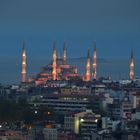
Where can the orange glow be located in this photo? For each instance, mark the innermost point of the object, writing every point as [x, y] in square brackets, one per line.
[88, 68]
[94, 65]
[54, 73]
[131, 74]
[23, 65]
[48, 126]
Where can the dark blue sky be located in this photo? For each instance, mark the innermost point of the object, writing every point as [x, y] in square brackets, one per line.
[114, 24]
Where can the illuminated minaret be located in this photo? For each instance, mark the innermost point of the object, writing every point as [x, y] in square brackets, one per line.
[54, 73]
[23, 64]
[94, 65]
[64, 53]
[131, 66]
[88, 68]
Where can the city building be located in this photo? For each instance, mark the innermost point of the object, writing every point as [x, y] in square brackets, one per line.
[120, 109]
[76, 90]
[82, 123]
[107, 123]
[15, 135]
[50, 133]
[65, 103]
[135, 98]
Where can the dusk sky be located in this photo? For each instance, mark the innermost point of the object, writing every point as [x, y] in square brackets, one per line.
[114, 24]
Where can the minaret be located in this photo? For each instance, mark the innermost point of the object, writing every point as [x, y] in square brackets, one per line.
[94, 65]
[23, 64]
[64, 53]
[54, 73]
[88, 68]
[131, 66]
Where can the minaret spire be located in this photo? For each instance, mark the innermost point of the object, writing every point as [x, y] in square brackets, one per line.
[132, 66]
[94, 65]
[54, 73]
[23, 63]
[64, 53]
[88, 67]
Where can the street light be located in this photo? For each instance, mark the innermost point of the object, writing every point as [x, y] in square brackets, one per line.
[35, 112]
[81, 120]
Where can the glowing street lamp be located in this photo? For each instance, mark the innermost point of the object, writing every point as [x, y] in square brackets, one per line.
[81, 120]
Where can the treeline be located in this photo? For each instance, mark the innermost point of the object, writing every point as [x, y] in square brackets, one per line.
[11, 111]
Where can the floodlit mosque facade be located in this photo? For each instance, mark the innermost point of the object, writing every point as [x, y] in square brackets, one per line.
[59, 69]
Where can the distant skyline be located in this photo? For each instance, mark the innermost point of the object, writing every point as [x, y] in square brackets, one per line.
[114, 24]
